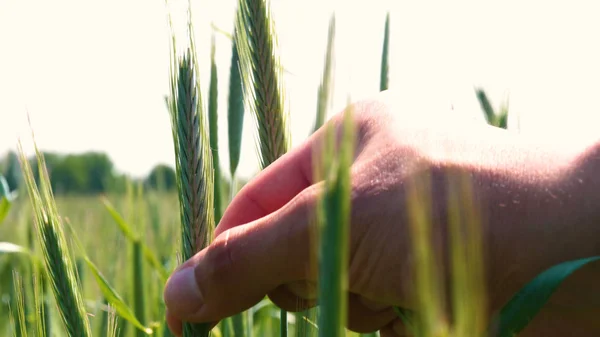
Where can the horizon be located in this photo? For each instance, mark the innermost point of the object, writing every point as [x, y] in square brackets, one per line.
[93, 76]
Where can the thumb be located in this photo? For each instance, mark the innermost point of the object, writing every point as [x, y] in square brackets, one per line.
[244, 263]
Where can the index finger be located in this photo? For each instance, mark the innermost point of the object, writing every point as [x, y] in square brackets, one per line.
[272, 188]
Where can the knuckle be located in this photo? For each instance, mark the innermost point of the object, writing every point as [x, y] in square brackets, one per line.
[220, 260]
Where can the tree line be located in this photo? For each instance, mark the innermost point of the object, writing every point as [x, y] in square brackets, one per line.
[85, 173]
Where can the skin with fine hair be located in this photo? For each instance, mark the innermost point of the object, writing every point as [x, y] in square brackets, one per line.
[537, 198]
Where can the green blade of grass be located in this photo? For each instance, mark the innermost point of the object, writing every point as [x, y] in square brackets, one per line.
[428, 293]
[385, 56]
[466, 251]
[502, 118]
[526, 303]
[139, 287]
[8, 248]
[5, 199]
[42, 321]
[4, 190]
[40, 306]
[334, 232]
[58, 262]
[235, 109]
[239, 324]
[486, 106]
[283, 327]
[5, 205]
[498, 119]
[325, 92]
[20, 292]
[12, 324]
[121, 223]
[154, 262]
[110, 294]
[133, 237]
[115, 299]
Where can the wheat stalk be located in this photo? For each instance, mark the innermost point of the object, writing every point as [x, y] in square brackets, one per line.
[213, 117]
[334, 228]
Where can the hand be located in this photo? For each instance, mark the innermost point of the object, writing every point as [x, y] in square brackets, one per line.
[262, 243]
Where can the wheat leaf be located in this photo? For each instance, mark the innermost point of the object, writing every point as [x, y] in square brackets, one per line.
[385, 57]
[325, 92]
[486, 106]
[5, 198]
[121, 223]
[115, 299]
[235, 110]
[525, 304]
[133, 237]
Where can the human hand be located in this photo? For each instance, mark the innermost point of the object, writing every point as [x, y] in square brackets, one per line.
[262, 245]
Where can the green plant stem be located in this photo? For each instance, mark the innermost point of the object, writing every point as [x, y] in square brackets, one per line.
[284, 323]
[139, 282]
[334, 223]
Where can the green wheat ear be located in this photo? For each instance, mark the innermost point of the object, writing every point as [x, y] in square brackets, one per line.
[58, 261]
[193, 159]
[262, 77]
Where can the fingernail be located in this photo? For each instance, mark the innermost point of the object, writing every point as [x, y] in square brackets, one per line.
[182, 295]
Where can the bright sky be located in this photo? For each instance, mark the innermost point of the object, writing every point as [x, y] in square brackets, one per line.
[93, 74]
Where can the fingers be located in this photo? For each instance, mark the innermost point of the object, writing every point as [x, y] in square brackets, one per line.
[243, 264]
[363, 319]
[395, 329]
[363, 316]
[277, 184]
[284, 298]
[176, 326]
[271, 189]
